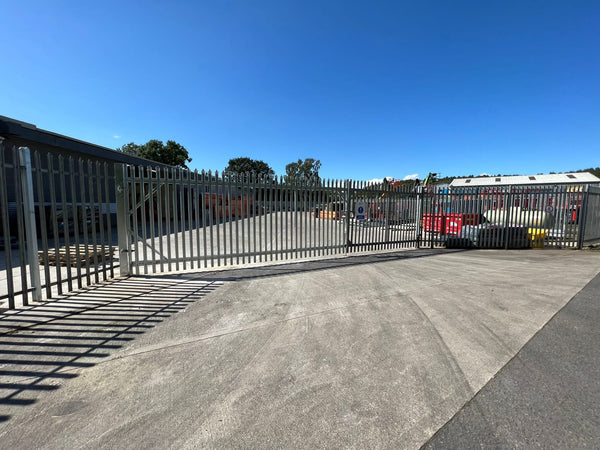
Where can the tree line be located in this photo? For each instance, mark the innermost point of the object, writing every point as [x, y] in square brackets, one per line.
[175, 154]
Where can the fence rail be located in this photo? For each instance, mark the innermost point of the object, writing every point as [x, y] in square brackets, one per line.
[66, 223]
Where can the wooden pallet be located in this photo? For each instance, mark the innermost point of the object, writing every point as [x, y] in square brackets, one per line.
[86, 254]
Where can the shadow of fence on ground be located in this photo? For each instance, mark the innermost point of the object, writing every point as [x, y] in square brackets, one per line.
[294, 267]
[43, 345]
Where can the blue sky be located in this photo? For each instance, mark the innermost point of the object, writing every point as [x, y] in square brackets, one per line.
[371, 88]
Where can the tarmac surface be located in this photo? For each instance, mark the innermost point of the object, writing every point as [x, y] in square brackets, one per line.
[447, 349]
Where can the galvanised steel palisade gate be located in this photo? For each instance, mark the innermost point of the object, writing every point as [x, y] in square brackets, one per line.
[68, 223]
[174, 219]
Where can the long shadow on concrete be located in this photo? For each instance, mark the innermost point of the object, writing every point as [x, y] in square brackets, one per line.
[42, 345]
[281, 268]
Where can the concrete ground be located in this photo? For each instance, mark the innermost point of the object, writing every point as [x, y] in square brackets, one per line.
[380, 351]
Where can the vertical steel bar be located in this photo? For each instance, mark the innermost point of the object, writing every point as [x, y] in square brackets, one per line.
[372, 196]
[152, 190]
[295, 219]
[345, 206]
[92, 221]
[347, 239]
[301, 208]
[581, 218]
[197, 210]
[6, 233]
[337, 213]
[218, 213]
[190, 220]
[359, 235]
[109, 230]
[121, 198]
[260, 213]
[560, 216]
[306, 215]
[334, 221]
[311, 217]
[66, 227]
[284, 217]
[20, 226]
[254, 212]
[230, 216]
[43, 224]
[135, 207]
[176, 186]
[568, 210]
[161, 196]
[181, 191]
[101, 215]
[272, 238]
[76, 231]
[244, 209]
[211, 220]
[55, 232]
[169, 186]
[325, 216]
[239, 211]
[204, 206]
[84, 207]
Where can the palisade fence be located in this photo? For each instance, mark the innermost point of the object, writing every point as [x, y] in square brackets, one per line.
[67, 223]
[57, 224]
[175, 219]
[591, 214]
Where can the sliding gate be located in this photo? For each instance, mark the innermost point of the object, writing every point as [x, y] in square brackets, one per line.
[175, 219]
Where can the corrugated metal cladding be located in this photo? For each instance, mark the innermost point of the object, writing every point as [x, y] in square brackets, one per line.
[518, 180]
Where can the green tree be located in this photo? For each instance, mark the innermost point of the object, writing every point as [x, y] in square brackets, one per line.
[248, 165]
[130, 149]
[171, 153]
[307, 169]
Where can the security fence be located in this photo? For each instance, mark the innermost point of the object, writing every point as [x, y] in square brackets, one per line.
[56, 224]
[538, 216]
[591, 224]
[67, 223]
[175, 219]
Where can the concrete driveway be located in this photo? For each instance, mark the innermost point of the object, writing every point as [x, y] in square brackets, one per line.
[373, 351]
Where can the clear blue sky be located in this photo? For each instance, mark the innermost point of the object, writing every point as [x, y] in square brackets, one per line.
[371, 88]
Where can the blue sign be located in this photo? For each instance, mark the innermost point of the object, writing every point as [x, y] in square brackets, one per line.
[360, 211]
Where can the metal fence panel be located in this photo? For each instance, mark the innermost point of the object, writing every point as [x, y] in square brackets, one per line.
[55, 225]
[591, 224]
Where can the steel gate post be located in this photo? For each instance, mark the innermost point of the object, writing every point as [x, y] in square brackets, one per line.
[387, 217]
[122, 221]
[29, 216]
[508, 202]
[348, 213]
[582, 218]
[418, 224]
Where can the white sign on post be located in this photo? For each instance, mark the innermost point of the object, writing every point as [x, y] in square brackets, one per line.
[360, 211]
